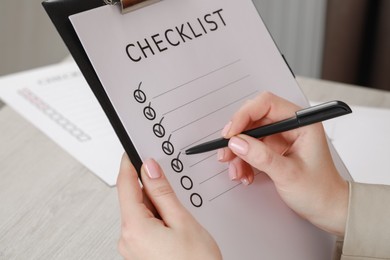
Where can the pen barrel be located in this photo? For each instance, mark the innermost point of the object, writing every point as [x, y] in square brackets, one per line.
[274, 128]
[208, 146]
[322, 112]
[303, 117]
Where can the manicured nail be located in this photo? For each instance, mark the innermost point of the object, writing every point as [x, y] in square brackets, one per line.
[245, 181]
[226, 129]
[238, 145]
[152, 169]
[221, 154]
[232, 172]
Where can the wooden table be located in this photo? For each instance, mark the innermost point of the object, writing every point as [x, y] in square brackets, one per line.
[52, 207]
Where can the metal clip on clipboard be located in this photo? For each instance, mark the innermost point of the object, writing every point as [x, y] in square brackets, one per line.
[131, 5]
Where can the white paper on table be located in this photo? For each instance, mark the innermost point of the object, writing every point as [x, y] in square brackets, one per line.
[58, 101]
[362, 140]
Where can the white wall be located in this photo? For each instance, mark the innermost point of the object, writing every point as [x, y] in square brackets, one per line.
[28, 39]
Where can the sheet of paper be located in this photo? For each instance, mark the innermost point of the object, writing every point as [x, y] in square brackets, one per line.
[175, 72]
[58, 101]
[362, 140]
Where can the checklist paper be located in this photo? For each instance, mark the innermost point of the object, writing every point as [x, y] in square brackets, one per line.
[175, 72]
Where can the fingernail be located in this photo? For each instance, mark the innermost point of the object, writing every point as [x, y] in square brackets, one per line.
[226, 129]
[238, 145]
[232, 172]
[152, 169]
[221, 154]
[245, 181]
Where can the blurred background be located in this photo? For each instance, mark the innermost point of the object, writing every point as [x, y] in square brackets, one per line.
[339, 40]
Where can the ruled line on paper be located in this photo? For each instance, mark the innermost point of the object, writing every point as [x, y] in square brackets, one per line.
[197, 78]
[207, 94]
[201, 139]
[213, 112]
[202, 160]
[230, 189]
[226, 191]
[212, 177]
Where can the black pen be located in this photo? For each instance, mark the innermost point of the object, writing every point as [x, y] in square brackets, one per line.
[302, 117]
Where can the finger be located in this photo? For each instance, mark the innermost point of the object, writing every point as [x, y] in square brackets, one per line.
[264, 106]
[241, 171]
[275, 142]
[225, 155]
[162, 195]
[130, 192]
[260, 156]
[150, 205]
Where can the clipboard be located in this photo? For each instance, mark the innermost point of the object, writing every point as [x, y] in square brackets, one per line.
[218, 194]
[59, 12]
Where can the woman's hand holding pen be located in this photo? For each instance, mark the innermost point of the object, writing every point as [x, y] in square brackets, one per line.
[298, 161]
[156, 226]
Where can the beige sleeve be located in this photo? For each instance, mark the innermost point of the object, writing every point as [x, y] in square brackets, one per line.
[368, 227]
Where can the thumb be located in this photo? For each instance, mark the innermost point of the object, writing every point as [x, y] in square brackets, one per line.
[260, 156]
[161, 194]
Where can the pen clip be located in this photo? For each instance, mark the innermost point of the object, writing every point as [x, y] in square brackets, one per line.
[322, 112]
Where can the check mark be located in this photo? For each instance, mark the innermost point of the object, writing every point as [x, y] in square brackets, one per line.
[177, 165]
[139, 96]
[159, 130]
[168, 148]
[149, 112]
